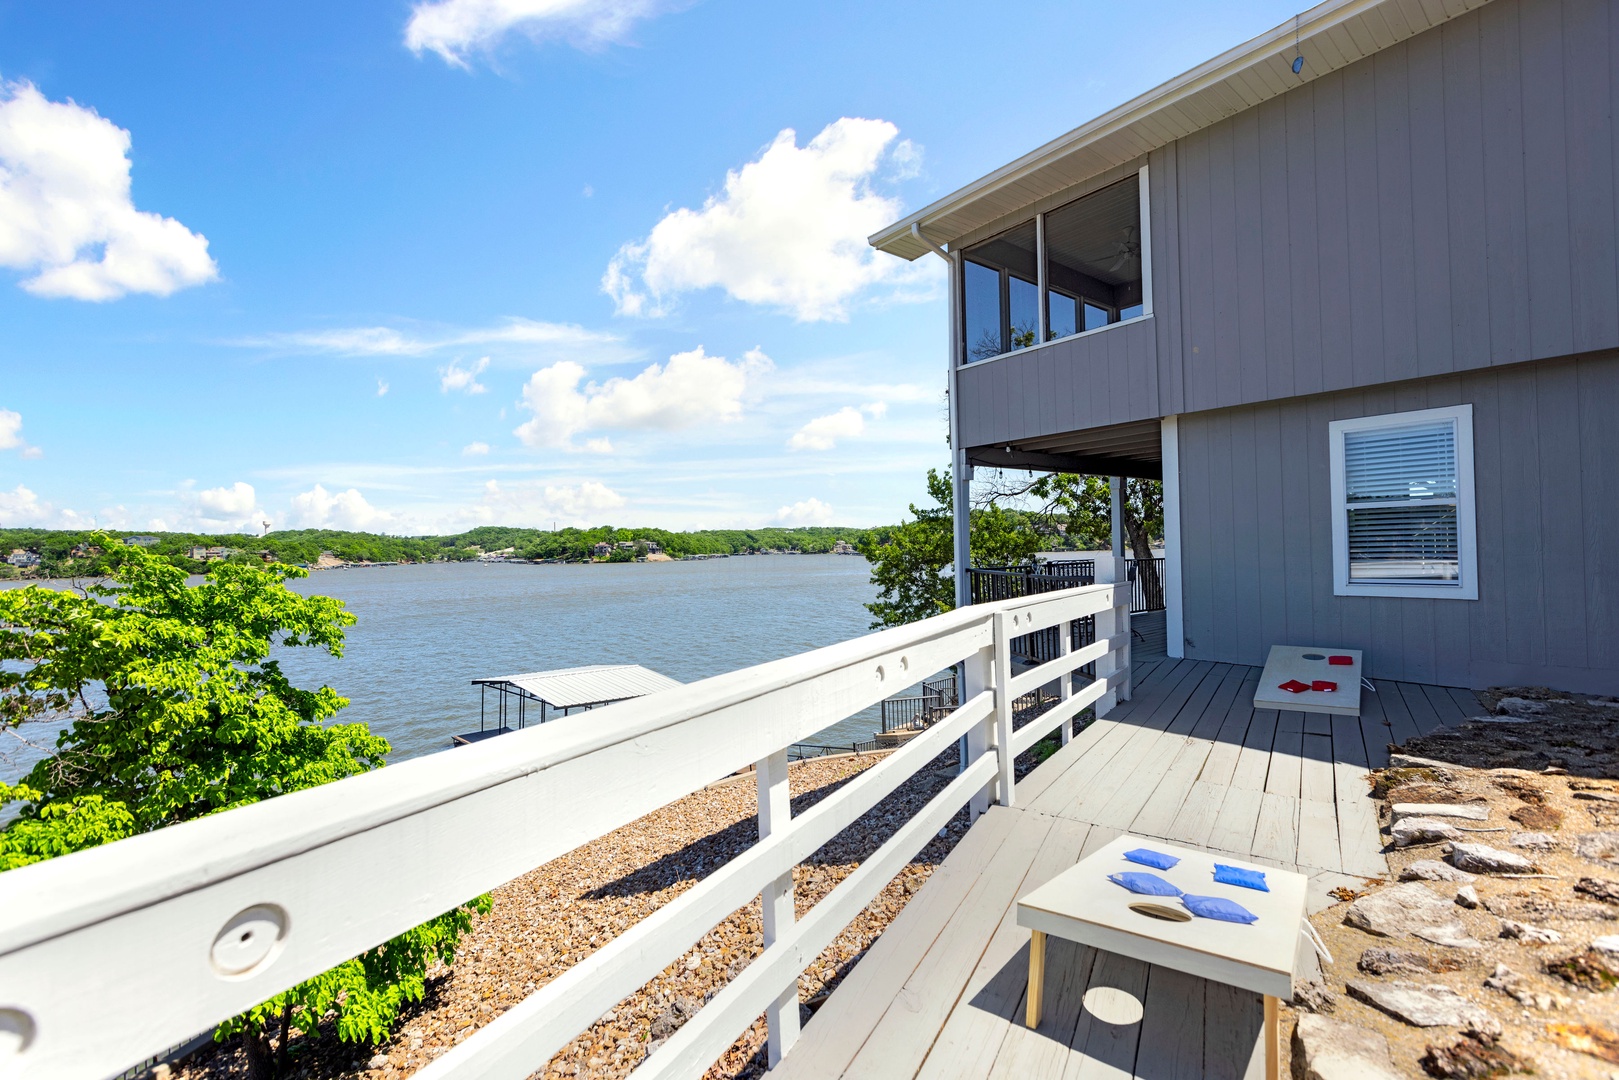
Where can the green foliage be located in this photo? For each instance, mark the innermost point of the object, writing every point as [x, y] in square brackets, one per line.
[170, 709]
[305, 546]
[910, 563]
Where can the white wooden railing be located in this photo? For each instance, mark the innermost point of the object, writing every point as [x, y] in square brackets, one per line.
[109, 955]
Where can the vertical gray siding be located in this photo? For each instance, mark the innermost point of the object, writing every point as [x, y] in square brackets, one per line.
[1257, 543]
[1445, 205]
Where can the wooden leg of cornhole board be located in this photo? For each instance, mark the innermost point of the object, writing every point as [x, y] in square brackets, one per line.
[1273, 1045]
[1037, 977]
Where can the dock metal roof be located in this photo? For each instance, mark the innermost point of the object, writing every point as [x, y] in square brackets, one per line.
[1329, 36]
[596, 684]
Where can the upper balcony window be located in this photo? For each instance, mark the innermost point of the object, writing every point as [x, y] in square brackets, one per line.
[1083, 266]
[1094, 260]
[1002, 295]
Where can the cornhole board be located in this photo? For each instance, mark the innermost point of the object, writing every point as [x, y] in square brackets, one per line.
[1308, 664]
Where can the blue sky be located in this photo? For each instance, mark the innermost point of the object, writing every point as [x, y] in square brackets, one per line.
[420, 267]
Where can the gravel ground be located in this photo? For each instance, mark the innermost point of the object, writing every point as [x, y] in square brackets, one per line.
[551, 918]
[1545, 770]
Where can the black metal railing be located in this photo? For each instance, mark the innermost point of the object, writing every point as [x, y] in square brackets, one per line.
[916, 711]
[1146, 585]
[1004, 582]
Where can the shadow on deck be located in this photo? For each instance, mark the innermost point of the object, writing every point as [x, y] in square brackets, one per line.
[1188, 760]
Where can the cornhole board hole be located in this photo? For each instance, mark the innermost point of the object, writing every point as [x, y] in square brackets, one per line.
[1309, 665]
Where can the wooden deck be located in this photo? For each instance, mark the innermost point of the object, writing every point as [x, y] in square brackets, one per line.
[1189, 759]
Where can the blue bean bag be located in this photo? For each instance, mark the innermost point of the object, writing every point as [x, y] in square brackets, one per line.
[1155, 859]
[1217, 907]
[1150, 884]
[1236, 875]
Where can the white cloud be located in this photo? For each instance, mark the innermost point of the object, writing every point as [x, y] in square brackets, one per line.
[789, 231]
[318, 508]
[475, 449]
[456, 28]
[382, 387]
[66, 215]
[806, 512]
[455, 377]
[823, 432]
[388, 341]
[692, 388]
[21, 508]
[539, 504]
[11, 435]
[223, 509]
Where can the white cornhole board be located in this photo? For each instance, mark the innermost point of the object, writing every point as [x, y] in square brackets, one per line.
[1289, 662]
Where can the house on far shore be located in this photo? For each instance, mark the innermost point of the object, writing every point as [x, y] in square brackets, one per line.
[140, 541]
[1354, 300]
[211, 554]
[22, 559]
[602, 550]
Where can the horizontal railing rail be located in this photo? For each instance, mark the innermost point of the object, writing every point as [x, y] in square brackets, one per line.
[168, 933]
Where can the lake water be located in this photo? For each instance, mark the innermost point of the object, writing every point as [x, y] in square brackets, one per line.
[424, 632]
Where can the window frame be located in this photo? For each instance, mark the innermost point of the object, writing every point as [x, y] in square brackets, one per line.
[1042, 298]
[1465, 587]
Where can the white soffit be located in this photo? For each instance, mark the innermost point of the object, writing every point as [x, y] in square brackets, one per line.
[1331, 35]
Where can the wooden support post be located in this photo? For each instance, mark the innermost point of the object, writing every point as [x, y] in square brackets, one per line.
[978, 668]
[1005, 788]
[1037, 978]
[775, 810]
[1121, 619]
[1273, 1040]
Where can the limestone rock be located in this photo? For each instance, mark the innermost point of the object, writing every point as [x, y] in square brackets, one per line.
[1313, 996]
[1484, 859]
[1590, 970]
[1608, 944]
[1591, 1039]
[1517, 706]
[1464, 811]
[1419, 830]
[1400, 909]
[1538, 907]
[1598, 847]
[1516, 987]
[1534, 841]
[1469, 1057]
[1434, 870]
[1386, 960]
[1467, 897]
[1452, 935]
[1433, 1005]
[1332, 1050]
[1529, 934]
[1606, 891]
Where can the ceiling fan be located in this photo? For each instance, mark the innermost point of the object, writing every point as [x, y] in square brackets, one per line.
[1129, 248]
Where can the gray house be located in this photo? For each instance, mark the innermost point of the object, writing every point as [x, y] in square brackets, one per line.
[1352, 291]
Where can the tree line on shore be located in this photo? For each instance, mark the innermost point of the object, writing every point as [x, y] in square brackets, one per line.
[65, 553]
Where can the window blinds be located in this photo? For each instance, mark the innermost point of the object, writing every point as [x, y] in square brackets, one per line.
[1400, 487]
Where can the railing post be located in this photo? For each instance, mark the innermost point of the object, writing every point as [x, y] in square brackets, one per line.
[776, 901]
[1110, 623]
[1004, 777]
[977, 672]
[1065, 685]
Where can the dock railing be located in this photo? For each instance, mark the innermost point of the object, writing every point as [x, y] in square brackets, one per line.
[162, 935]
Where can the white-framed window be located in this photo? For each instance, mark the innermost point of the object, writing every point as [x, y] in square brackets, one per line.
[1402, 505]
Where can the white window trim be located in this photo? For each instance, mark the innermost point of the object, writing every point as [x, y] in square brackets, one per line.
[1466, 585]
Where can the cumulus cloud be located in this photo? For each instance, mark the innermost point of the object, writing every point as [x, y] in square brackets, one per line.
[692, 388]
[21, 508]
[806, 512]
[11, 435]
[231, 509]
[389, 341]
[318, 508]
[382, 388]
[475, 449]
[66, 214]
[538, 503]
[454, 29]
[823, 432]
[455, 377]
[788, 231]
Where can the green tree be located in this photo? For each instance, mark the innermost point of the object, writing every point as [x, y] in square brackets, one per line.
[171, 707]
[910, 563]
